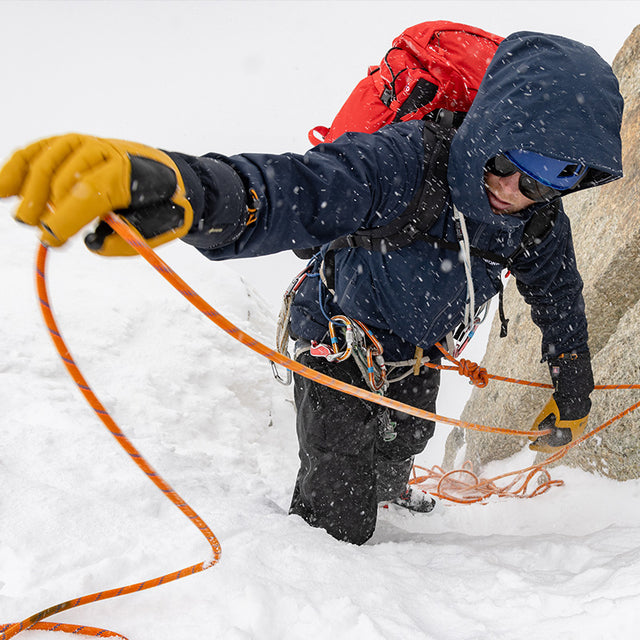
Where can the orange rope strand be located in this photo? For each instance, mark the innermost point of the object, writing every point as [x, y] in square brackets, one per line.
[138, 243]
[34, 621]
[465, 487]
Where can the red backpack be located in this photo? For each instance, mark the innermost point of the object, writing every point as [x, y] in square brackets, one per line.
[432, 65]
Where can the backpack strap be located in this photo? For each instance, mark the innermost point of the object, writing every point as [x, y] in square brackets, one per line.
[428, 203]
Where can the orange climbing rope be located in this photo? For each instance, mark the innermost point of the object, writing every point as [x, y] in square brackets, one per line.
[34, 621]
[138, 243]
[464, 486]
[446, 483]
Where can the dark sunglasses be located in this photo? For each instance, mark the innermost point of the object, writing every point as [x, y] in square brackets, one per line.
[529, 187]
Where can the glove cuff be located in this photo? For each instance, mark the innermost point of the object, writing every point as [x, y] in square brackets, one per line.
[572, 379]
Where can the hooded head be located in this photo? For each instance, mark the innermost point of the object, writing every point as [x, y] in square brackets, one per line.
[544, 94]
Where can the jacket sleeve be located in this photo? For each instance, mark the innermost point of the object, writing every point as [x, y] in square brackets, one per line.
[548, 279]
[300, 201]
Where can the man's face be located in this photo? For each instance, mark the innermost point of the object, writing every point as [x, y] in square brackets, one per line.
[504, 194]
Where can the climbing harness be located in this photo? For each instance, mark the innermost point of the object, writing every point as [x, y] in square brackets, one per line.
[477, 490]
[358, 340]
[348, 337]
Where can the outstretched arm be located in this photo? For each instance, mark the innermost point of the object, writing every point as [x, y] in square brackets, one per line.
[362, 180]
[244, 205]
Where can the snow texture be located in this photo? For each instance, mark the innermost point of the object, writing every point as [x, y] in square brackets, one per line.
[79, 517]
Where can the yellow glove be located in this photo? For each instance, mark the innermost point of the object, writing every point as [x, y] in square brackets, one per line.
[562, 431]
[68, 181]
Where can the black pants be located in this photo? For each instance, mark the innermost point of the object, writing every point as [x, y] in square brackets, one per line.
[347, 465]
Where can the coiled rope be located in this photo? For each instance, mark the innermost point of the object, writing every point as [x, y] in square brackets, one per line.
[465, 487]
[137, 242]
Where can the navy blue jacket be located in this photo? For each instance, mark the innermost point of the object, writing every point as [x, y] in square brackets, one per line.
[542, 93]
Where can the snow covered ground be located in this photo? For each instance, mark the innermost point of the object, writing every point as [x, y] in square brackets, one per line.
[78, 517]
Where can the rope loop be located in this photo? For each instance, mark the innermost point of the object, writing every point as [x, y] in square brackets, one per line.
[464, 486]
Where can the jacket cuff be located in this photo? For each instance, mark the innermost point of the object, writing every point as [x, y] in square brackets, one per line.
[218, 198]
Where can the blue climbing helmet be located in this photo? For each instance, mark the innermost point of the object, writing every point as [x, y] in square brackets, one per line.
[557, 174]
[541, 178]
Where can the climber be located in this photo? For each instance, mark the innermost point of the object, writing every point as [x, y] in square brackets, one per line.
[545, 122]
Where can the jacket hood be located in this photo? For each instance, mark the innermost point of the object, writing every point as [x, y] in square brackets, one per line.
[541, 93]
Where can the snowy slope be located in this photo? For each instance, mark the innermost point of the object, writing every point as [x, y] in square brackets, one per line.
[78, 517]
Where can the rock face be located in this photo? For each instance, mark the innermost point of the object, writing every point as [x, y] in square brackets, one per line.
[606, 229]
